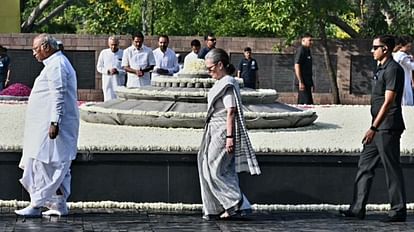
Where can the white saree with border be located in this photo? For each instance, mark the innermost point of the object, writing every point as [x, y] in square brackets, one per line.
[217, 169]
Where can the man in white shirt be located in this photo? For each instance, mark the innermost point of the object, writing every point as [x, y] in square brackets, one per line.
[195, 48]
[166, 62]
[51, 132]
[138, 61]
[109, 65]
[403, 57]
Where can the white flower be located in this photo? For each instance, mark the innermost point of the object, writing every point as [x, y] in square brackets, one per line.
[194, 66]
[197, 207]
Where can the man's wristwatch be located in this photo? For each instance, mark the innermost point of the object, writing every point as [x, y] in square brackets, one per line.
[374, 128]
[54, 124]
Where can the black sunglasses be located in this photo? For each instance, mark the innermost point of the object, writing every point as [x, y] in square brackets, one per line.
[375, 47]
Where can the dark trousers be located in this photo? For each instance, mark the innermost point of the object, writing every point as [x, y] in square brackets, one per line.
[385, 147]
[305, 96]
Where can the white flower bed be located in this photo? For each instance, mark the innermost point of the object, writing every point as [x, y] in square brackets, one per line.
[337, 129]
[197, 207]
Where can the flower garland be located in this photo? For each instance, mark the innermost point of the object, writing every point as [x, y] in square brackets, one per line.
[201, 93]
[201, 115]
[197, 207]
[168, 114]
[12, 101]
[159, 93]
[172, 79]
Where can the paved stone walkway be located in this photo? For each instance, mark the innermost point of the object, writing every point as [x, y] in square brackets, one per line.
[133, 220]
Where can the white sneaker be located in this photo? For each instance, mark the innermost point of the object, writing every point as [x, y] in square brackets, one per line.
[57, 207]
[29, 211]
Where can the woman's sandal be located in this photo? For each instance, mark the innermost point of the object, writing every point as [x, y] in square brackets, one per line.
[235, 212]
[225, 215]
[211, 217]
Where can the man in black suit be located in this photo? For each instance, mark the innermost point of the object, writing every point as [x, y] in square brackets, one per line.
[382, 139]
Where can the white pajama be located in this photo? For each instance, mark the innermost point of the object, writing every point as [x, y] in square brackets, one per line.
[42, 180]
[109, 84]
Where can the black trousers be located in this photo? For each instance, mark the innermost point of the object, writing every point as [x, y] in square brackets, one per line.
[385, 147]
[305, 96]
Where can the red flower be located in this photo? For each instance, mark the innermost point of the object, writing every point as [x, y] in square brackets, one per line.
[17, 89]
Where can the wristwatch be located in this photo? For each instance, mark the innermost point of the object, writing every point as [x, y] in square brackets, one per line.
[54, 124]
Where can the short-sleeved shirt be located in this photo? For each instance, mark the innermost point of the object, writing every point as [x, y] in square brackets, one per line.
[248, 69]
[303, 57]
[389, 76]
[4, 67]
[138, 59]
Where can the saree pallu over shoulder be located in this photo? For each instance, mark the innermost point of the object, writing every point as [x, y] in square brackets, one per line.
[245, 157]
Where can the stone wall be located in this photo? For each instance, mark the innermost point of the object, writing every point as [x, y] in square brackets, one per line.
[352, 62]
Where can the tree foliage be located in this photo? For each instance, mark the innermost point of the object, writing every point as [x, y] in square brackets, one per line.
[261, 18]
[278, 18]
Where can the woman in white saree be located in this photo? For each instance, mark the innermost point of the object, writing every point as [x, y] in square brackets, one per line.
[225, 149]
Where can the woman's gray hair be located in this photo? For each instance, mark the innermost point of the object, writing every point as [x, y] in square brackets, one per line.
[50, 40]
[219, 55]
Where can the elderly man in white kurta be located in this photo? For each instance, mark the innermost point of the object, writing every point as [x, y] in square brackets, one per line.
[51, 132]
[166, 62]
[138, 61]
[109, 65]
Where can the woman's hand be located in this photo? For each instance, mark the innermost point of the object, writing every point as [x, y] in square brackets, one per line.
[229, 145]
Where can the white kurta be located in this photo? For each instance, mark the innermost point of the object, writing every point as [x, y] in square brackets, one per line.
[408, 65]
[167, 60]
[108, 60]
[138, 59]
[53, 99]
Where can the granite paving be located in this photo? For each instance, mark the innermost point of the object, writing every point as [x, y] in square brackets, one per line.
[136, 220]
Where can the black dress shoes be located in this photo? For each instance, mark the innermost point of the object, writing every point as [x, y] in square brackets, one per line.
[348, 213]
[389, 219]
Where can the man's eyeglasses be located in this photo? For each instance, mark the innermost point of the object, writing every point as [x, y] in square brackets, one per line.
[375, 47]
[214, 39]
[210, 69]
